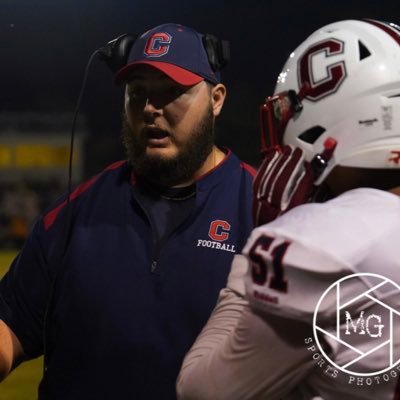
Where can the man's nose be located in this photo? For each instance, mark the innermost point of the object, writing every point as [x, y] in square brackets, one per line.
[151, 105]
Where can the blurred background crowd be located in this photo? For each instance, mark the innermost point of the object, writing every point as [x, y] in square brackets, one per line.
[34, 160]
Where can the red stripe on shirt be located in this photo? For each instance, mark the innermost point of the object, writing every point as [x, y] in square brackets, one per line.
[252, 171]
[51, 216]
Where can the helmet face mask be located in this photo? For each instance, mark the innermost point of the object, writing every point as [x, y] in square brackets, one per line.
[275, 115]
[342, 83]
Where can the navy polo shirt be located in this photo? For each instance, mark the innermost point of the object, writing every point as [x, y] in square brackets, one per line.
[114, 307]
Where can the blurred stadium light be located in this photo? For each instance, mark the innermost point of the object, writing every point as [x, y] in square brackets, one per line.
[34, 160]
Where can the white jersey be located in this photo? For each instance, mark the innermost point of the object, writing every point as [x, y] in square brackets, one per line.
[336, 267]
[269, 351]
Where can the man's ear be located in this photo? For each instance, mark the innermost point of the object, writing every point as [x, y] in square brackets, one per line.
[218, 94]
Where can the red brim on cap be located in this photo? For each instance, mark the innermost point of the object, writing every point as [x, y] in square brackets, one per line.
[178, 74]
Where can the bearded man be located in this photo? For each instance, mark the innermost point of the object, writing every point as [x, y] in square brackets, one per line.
[150, 240]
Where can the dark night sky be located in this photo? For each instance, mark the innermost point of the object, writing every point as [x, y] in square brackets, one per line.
[45, 45]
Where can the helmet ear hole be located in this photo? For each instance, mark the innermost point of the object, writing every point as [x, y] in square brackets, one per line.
[312, 134]
[364, 52]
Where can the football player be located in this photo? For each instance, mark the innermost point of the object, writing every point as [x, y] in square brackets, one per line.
[312, 306]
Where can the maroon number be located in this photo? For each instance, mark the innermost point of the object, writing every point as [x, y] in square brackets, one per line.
[260, 263]
[259, 266]
[278, 281]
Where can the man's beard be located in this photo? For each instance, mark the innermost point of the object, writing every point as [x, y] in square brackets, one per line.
[170, 171]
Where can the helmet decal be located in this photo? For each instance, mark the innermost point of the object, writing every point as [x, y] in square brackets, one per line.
[335, 72]
[395, 158]
[391, 29]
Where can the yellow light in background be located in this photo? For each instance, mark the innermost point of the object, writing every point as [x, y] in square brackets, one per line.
[42, 156]
[5, 156]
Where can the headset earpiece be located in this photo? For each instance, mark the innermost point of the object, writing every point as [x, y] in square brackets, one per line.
[218, 51]
[115, 53]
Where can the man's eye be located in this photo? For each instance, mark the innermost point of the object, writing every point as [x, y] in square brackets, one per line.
[176, 91]
[136, 94]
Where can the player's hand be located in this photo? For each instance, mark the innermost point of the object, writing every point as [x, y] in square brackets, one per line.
[283, 181]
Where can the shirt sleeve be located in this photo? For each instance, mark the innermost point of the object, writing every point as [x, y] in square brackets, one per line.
[24, 292]
[240, 355]
[287, 276]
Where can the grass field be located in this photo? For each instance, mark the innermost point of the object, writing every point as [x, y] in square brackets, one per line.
[22, 383]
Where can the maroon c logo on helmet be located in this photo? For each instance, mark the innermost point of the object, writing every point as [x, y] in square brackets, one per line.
[335, 73]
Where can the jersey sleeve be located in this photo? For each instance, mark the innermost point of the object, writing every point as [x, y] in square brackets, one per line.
[287, 276]
[296, 258]
[24, 292]
[240, 355]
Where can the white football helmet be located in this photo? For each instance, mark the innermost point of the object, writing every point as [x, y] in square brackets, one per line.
[339, 95]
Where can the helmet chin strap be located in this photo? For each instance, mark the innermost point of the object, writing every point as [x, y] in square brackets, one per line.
[320, 161]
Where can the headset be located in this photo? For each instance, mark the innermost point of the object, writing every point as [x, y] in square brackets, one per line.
[115, 53]
[218, 51]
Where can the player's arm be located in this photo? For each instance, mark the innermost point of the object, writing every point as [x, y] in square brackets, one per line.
[11, 352]
[240, 355]
[253, 360]
[196, 378]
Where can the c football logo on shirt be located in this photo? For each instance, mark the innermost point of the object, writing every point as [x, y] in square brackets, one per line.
[158, 44]
[219, 233]
[219, 230]
[355, 320]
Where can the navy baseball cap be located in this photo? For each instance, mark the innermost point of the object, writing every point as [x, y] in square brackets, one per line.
[175, 50]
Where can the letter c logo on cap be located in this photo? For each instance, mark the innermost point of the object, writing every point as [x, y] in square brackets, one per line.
[158, 44]
[219, 230]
